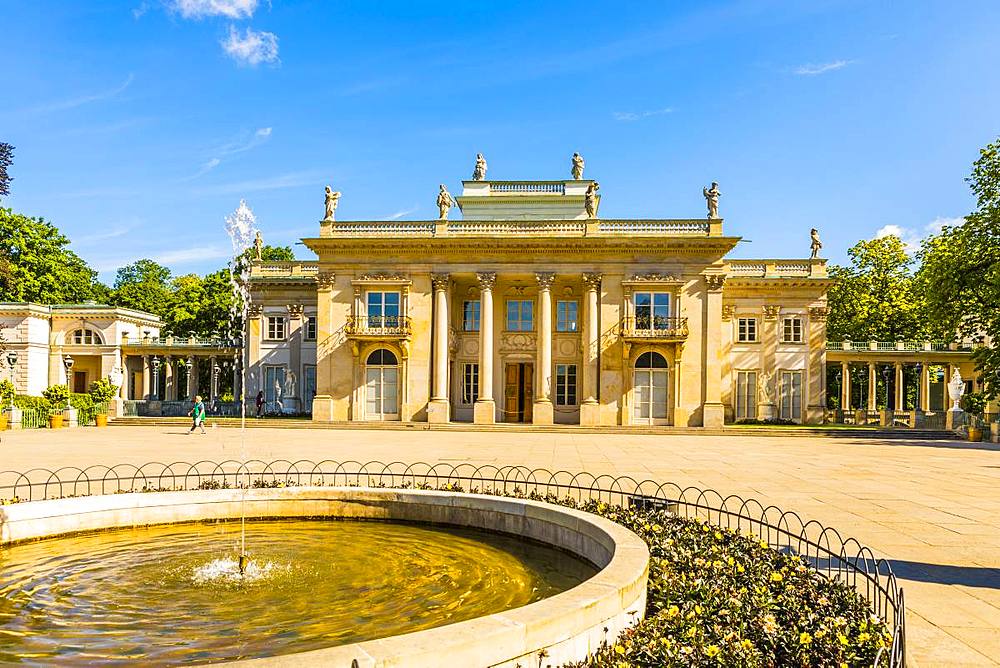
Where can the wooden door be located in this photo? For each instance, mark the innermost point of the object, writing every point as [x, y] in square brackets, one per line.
[510, 387]
[80, 382]
[527, 393]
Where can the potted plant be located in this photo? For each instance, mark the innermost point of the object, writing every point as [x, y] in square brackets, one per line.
[58, 398]
[6, 401]
[102, 391]
[974, 403]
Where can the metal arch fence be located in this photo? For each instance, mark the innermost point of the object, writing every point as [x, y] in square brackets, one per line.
[824, 548]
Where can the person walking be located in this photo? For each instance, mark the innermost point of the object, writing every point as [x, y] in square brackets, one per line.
[260, 404]
[197, 414]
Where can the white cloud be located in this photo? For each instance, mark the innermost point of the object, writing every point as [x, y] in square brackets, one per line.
[137, 12]
[821, 68]
[290, 180]
[403, 212]
[196, 9]
[629, 116]
[104, 235]
[82, 100]
[246, 143]
[252, 48]
[912, 237]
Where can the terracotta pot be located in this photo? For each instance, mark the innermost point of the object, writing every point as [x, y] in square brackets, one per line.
[100, 420]
[975, 434]
[55, 421]
[3, 421]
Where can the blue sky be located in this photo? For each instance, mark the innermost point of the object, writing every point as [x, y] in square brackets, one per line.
[140, 124]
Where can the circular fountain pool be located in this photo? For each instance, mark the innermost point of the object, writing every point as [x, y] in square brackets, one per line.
[173, 594]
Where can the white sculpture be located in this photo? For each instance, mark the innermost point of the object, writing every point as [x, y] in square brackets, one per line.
[332, 199]
[712, 199]
[479, 173]
[444, 202]
[577, 168]
[258, 246]
[590, 199]
[764, 388]
[815, 243]
[956, 388]
[290, 384]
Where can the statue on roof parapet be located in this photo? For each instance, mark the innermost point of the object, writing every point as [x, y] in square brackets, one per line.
[712, 199]
[479, 173]
[815, 244]
[444, 202]
[577, 169]
[258, 246]
[332, 199]
[590, 199]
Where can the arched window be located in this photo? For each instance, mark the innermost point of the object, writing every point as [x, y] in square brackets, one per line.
[651, 360]
[382, 357]
[87, 337]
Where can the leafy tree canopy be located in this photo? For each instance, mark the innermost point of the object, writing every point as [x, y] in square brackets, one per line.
[876, 297]
[960, 274]
[38, 266]
[143, 285]
[6, 160]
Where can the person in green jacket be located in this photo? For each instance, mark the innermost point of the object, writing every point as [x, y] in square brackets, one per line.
[197, 414]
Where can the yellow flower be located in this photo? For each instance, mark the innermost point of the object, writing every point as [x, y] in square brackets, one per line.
[842, 638]
[805, 638]
[673, 611]
[776, 577]
[718, 535]
[746, 644]
[712, 650]
[863, 637]
[619, 649]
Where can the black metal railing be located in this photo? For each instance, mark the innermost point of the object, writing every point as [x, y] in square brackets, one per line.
[832, 555]
[655, 327]
[382, 325]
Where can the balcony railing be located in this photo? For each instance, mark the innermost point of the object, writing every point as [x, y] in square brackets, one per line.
[179, 342]
[901, 346]
[664, 328]
[383, 326]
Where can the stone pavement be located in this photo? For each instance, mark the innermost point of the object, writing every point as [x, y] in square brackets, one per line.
[931, 507]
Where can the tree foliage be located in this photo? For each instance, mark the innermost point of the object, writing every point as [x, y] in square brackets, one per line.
[6, 160]
[143, 285]
[960, 274]
[876, 298]
[38, 266]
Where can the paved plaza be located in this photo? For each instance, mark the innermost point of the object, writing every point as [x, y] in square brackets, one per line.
[932, 507]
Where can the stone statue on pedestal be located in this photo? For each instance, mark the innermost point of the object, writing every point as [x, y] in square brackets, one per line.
[590, 199]
[712, 199]
[764, 388]
[956, 388]
[577, 168]
[332, 199]
[444, 202]
[815, 244]
[479, 173]
[258, 246]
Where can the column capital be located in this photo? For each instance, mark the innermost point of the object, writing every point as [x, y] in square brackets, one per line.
[771, 311]
[592, 280]
[295, 310]
[255, 310]
[714, 282]
[728, 311]
[440, 281]
[487, 279]
[819, 313]
[325, 279]
[545, 279]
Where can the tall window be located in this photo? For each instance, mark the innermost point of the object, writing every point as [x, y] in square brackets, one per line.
[566, 384]
[276, 328]
[565, 316]
[792, 330]
[308, 386]
[791, 395]
[383, 309]
[470, 316]
[470, 383]
[310, 333]
[519, 315]
[746, 395]
[274, 387]
[652, 310]
[746, 330]
[87, 337]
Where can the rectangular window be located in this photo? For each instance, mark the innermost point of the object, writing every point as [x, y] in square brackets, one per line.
[383, 309]
[791, 395]
[274, 388]
[275, 328]
[565, 316]
[520, 315]
[470, 384]
[652, 310]
[746, 395]
[470, 316]
[565, 384]
[746, 330]
[792, 330]
[308, 387]
[310, 333]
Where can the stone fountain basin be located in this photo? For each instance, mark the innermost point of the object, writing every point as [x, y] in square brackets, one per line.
[566, 626]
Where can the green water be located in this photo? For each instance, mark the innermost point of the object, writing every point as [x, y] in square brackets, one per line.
[173, 594]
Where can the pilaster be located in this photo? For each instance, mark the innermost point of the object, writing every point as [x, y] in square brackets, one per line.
[815, 385]
[439, 408]
[484, 411]
[713, 411]
[323, 408]
[590, 408]
[542, 412]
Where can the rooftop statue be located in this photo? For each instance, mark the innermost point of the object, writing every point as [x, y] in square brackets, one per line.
[479, 173]
[332, 198]
[712, 199]
[577, 169]
[444, 201]
[258, 246]
[816, 244]
[590, 199]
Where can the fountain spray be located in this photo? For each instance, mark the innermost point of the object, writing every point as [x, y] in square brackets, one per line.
[242, 229]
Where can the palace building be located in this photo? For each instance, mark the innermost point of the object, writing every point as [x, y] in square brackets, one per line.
[533, 309]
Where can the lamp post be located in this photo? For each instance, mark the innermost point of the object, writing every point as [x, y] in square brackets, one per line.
[11, 363]
[885, 384]
[840, 388]
[189, 364]
[920, 375]
[156, 377]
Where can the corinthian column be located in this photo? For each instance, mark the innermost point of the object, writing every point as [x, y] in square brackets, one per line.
[590, 409]
[484, 411]
[438, 410]
[542, 412]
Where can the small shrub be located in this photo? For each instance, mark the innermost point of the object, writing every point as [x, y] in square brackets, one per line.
[103, 390]
[778, 421]
[81, 402]
[57, 396]
[6, 393]
[26, 402]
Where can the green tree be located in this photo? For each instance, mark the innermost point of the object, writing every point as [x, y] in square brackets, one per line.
[199, 306]
[960, 272]
[876, 298]
[38, 266]
[143, 285]
[6, 160]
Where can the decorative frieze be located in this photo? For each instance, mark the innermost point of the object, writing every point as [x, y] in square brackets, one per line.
[383, 276]
[714, 282]
[487, 279]
[654, 277]
[771, 311]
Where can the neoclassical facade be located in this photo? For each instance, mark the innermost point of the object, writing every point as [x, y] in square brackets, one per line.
[530, 309]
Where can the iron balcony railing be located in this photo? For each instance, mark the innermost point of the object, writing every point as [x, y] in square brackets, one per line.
[656, 327]
[397, 326]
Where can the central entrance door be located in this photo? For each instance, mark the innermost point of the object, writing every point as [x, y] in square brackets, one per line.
[382, 386]
[517, 392]
[650, 383]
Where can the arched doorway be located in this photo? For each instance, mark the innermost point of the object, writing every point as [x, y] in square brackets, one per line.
[649, 383]
[382, 385]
